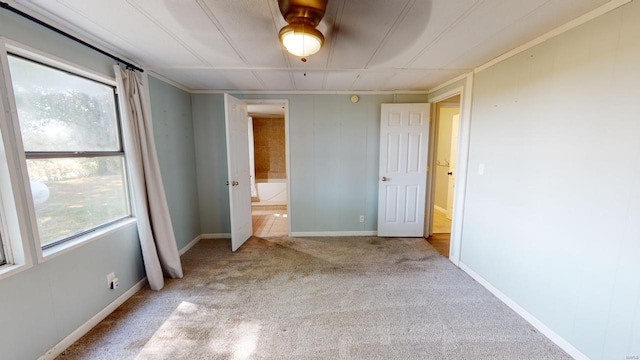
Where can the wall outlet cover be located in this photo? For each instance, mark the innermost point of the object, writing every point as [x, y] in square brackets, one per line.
[110, 278]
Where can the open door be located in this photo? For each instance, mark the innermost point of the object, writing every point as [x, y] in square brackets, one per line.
[239, 176]
[404, 137]
[453, 158]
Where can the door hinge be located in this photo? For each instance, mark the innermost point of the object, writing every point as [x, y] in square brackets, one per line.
[428, 168]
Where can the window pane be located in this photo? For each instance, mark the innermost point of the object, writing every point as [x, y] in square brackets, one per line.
[73, 195]
[62, 112]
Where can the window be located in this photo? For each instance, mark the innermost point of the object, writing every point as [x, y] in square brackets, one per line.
[3, 259]
[72, 142]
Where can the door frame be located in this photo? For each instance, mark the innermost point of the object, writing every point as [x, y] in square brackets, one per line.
[460, 183]
[285, 103]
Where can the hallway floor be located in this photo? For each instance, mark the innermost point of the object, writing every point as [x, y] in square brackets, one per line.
[270, 221]
[440, 242]
[441, 225]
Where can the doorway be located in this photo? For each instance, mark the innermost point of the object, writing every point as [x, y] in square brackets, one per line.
[268, 165]
[446, 128]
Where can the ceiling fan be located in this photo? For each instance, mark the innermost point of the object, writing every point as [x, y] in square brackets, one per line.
[300, 37]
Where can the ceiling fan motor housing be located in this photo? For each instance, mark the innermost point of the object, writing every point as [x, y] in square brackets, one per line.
[308, 12]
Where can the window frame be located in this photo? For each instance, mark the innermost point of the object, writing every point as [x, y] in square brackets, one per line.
[3, 256]
[14, 224]
[43, 253]
[38, 155]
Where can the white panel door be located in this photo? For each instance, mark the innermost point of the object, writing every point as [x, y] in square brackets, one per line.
[239, 180]
[404, 136]
[453, 156]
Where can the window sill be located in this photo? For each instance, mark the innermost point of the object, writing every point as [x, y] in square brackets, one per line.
[67, 246]
[8, 270]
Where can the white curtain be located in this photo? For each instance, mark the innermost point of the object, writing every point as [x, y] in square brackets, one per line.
[159, 248]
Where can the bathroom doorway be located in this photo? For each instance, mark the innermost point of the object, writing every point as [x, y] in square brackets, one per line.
[447, 121]
[447, 124]
[268, 163]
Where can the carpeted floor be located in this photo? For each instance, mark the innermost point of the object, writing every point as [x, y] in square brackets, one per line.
[316, 298]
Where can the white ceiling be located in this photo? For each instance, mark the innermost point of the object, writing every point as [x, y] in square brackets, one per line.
[371, 45]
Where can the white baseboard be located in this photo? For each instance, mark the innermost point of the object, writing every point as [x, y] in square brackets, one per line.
[333, 233]
[544, 329]
[84, 328]
[440, 209]
[190, 245]
[216, 236]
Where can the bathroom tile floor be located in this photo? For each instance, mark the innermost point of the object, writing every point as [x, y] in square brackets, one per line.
[270, 221]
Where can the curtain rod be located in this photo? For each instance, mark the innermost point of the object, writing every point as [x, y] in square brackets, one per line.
[129, 65]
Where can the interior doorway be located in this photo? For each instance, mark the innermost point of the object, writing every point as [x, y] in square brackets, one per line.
[268, 165]
[446, 128]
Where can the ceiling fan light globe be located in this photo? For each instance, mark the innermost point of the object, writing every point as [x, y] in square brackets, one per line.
[301, 40]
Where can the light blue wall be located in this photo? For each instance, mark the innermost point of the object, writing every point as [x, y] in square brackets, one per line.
[554, 222]
[42, 305]
[175, 144]
[211, 162]
[16, 28]
[334, 147]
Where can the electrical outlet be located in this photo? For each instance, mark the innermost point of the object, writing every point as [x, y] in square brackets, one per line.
[361, 218]
[111, 277]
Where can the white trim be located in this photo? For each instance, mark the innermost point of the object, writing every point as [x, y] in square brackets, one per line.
[539, 325]
[309, 92]
[15, 226]
[95, 320]
[451, 93]
[431, 182]
[462, 167]
[18, 158]
[55, 61]
[55, 251]
[466, 99]
[215, 236]
[287, 149]
[168, 81]
[445, 84]
[333, 233]
[191, 244]
[9, 269]
[611, 5]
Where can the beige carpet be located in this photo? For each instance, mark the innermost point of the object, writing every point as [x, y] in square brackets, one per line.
[316, 298]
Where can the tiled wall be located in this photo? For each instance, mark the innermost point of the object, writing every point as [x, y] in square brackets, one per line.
[268, 137]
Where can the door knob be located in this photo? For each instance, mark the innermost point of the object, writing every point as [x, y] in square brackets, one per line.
[449, 173]
[384, 178]
[235, 183]
[227, 182]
